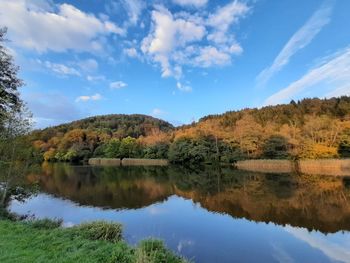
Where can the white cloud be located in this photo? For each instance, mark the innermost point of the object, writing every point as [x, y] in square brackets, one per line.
[210, 56]
[184, 88]
[118, 85]
[131, 52]
[194, 3]
[85, 98]
[88, 65]
[192, 39]
[128, 10]
[223, 18]
[298, 41]
[168, 34]
[34, 25]
[95, 78]
[333, 74]
[59, 69]
[134, 9]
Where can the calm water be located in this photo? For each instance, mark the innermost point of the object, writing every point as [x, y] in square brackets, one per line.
[207, 215]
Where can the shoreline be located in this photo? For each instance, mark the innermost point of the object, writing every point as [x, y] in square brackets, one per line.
[333, 167]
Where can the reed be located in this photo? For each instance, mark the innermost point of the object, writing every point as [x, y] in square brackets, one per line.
[127, 162]
[105, 161]
[268, 166]
[336, 167]
[134, 161]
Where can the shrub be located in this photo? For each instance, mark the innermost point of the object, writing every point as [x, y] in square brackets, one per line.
[100, 230]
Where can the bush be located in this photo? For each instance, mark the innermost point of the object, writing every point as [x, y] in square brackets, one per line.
[45, 223]
[100, 230]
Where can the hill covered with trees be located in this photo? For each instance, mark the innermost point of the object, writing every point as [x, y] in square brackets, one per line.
[306, 129]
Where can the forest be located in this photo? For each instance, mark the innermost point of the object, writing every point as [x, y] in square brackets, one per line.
[305, 129]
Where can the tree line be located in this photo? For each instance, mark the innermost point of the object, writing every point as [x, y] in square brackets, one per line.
[307, 129]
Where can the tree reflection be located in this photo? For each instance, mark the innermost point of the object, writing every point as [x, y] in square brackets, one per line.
[313, 202]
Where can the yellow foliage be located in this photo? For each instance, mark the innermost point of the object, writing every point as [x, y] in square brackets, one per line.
[319, 151]
[50, 154]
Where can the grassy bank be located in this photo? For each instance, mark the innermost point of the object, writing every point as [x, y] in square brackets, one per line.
[45, 241]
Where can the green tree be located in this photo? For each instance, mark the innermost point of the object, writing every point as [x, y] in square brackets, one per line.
[129, 148]
[179, 151]
[344, 145]
[156, 151]
[15, 151]
[275, 147]
[112, 149]
[9, 81]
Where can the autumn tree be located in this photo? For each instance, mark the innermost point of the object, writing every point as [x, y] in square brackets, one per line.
[249, 134]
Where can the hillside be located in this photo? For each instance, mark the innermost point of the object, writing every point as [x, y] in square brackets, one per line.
[121, 125]
[310, 128]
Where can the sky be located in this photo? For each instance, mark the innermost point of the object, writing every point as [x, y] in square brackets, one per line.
[177, 60]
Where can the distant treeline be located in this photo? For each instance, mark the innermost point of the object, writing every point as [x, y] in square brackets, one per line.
[306, 129]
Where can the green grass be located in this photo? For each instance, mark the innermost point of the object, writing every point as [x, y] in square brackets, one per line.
[26, 241]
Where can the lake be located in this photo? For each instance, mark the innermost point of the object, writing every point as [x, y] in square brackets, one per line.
[207, 214]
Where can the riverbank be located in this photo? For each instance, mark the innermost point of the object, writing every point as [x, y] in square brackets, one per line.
[44, 241]
[334, 167]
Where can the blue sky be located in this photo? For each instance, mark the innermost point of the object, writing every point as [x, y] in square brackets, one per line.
[178, 60]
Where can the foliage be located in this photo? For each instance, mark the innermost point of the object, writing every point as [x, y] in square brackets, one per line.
[156, 151]
[344, 144]
[318, 151]
[112, 149]
[9, 81]
[203, 149]
[310, 128]
[276, 147]
[15, 151]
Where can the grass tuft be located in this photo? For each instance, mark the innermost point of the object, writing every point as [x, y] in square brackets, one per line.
[100, 230]
[154, 251]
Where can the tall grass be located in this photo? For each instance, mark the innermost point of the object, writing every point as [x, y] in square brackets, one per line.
[99, 230]
[134, 161]
[269, 166]
[127, 161]
[335, 167]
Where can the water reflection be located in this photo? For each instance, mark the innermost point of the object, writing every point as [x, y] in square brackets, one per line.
[312, 202]
[206, 214]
